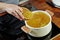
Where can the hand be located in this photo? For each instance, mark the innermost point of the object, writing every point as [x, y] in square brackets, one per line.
[14, 10]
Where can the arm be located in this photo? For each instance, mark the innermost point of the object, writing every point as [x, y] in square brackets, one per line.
[12, 9]
[2, 5]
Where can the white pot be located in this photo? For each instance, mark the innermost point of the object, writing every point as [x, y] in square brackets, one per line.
[42, 31]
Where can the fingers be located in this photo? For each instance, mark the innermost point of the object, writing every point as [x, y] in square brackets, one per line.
[20, 9]
[16, 15]
[20, 14]
[15, 12]
[12, 12]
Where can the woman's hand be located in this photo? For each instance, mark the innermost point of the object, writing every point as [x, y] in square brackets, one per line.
[14, 10]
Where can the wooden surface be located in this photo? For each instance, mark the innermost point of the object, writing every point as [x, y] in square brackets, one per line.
[42, 5]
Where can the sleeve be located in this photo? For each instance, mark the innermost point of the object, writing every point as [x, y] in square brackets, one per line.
[10, 1]
[12, 24]
[2, 27]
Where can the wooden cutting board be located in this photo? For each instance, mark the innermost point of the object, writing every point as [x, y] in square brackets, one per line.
[57, 37]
